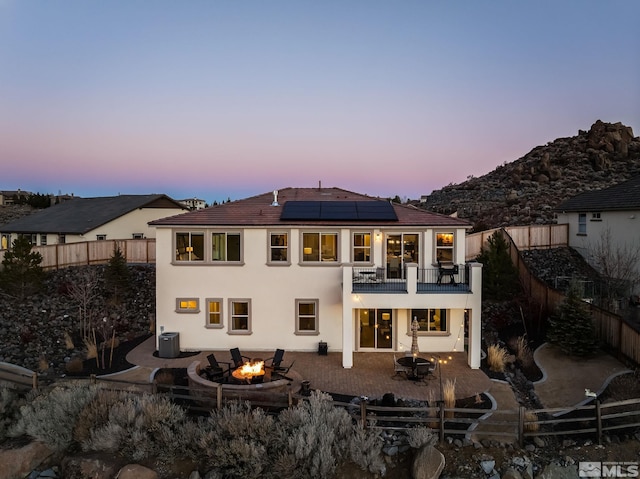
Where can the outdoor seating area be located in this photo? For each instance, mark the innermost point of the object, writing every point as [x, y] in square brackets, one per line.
[245, 369]
[414, 367]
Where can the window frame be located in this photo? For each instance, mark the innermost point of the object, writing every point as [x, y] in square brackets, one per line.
[286, 247]
[320, 234]
[355, 247]
[307, 332]
[596, 216]
[43, 239]
[137, 236]
[230, 329]
[189, 246]
[226, 234]
[445, 247]
[582, 224]
[444, 318]
[101, 237]
[186, 309]
[208, 324]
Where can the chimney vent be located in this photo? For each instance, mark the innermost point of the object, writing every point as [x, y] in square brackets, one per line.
[275, 198]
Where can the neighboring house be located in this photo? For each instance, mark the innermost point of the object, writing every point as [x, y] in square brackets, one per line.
[193, 203]
[304, 266]
[91, 219]
[592, 215]
[7, 197]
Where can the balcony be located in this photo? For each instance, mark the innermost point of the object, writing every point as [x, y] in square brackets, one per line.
[431, 280]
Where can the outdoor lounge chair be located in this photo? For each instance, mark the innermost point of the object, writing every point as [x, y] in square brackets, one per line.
[276, 360]
[237, 358]
[215, 370]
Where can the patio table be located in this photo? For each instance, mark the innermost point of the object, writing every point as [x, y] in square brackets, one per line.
[416, 364]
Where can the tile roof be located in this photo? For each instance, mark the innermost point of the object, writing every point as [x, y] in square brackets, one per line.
[259, 211]
[622, 197]
[80, 215]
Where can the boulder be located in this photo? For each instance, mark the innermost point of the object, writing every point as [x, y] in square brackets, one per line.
[136, 471]
[95, 466]
[18, 463]
[428, 463]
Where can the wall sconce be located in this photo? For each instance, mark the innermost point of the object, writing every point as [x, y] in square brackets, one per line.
[378, 236]
[386, 316]
[307, 250]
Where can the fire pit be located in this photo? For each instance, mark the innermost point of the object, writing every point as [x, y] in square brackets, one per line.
[251, 372]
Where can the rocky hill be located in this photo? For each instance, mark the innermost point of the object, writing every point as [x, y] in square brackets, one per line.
[527, 190]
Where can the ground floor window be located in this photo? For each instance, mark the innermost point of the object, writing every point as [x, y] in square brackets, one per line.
[214, 313]
[187, 305]
[307, 316]
[429, 320]
[240, 320]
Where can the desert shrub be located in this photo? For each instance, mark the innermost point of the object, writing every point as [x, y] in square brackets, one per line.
[496, 358]
[531, 421]
[10, 403]
[139, 427]
[421, 436]
[365, 447]
[234, 441]
[449, 395]
[51, 417]
[95, 414]
[432, 412]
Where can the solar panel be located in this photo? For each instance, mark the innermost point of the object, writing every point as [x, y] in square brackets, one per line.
[338, 211]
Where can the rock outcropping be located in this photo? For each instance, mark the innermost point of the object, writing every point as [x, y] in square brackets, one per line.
[527, 190]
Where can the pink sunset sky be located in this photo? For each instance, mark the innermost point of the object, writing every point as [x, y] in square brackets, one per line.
[221, 99]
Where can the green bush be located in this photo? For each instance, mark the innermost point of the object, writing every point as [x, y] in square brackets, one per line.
[499, 276]
[571, 327]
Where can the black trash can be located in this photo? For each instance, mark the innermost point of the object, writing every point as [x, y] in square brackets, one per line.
[169, 345]
[322, 348]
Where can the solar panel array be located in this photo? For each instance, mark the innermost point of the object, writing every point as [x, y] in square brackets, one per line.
[338, 211]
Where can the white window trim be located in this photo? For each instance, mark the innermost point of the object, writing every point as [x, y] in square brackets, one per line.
[187, 310]
[316, 331]
[207, 324]
[175, 247]
[209, 246]
[444, 332]
[436, 247]
[240, 332]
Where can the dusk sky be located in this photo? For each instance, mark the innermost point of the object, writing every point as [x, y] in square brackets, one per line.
[228, 99]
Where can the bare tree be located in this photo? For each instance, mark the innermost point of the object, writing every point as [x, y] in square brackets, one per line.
[618, 263]
[85, 292]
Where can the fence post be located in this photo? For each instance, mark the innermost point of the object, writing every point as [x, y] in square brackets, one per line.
[521, 426]
[219, 396]
[34, 381]
[363, 411]
[441, 414]
[93, 379]
[598, 422]
[154, 387]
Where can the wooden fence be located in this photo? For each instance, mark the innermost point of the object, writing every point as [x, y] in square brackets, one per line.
[525, 238]
[94, 252]
[517, 425]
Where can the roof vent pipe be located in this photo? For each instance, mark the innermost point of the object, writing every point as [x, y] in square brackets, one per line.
[275, 198]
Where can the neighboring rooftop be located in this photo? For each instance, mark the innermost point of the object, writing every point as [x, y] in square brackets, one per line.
[85, 214]
[621, 197]
[266, 209]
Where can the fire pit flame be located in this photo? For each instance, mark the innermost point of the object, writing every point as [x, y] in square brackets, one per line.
[249, 370]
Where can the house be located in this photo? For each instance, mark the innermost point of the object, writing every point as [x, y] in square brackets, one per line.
[594, 216]
[193, 203]
[8, 197]
[91, 219]
[306, 269]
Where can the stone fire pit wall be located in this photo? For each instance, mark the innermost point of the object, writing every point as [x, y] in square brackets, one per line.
[201, 387]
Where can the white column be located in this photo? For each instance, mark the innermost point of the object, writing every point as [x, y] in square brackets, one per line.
[347, 317]
[475, 315]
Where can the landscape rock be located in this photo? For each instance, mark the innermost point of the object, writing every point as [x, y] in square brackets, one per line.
[557, 471]
[136, 471]
[18, 463]
[90, 467]
[428, 463]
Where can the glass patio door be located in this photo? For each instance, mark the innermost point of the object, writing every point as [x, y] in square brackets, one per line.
[376, 328]
[401, 249]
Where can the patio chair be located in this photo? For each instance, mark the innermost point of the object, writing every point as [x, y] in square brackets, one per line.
[215, 370]
[426, 370]
[276, 360]
[237, 358]
[398, 368]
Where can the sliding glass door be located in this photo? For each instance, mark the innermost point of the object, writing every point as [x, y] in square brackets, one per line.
[401, 249]
[376, 328]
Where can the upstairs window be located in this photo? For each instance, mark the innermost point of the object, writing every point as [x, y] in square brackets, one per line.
[320, 247]
[445, 247]
[278, 247]
[361, 247]
[189, 246]
[582, 223]
[225, 246]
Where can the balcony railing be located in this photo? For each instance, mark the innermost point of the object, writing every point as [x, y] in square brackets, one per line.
[453, 279]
